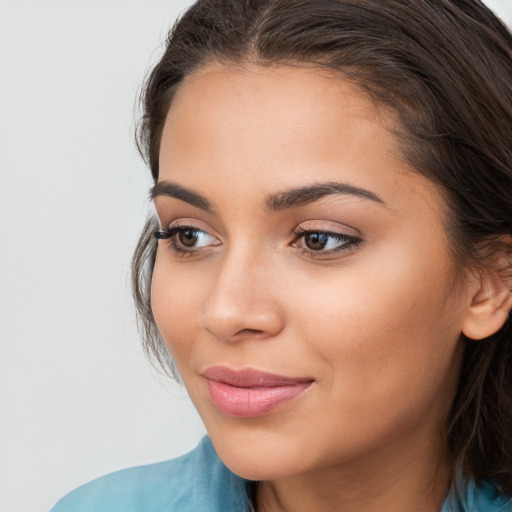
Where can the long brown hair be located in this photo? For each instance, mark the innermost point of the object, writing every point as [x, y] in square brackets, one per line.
[444, 67]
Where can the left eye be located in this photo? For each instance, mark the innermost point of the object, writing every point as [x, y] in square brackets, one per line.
[318, 241]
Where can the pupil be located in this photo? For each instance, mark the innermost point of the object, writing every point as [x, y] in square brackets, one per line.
[188, 237]
[316, 241]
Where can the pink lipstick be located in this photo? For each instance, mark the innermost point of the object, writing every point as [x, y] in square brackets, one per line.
[249, 393]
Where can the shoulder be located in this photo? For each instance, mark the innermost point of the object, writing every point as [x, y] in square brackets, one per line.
[468, 496]
[196, 481]
[487, 498]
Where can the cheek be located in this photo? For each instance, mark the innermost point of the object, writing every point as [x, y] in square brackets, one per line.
[177, 302]
[388, 333]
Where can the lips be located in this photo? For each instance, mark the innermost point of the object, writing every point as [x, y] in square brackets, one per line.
[249, 393]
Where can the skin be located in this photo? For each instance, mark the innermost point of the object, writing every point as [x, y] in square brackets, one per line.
[376, 325]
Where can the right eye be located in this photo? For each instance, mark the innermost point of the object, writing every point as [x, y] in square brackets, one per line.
[186, 239]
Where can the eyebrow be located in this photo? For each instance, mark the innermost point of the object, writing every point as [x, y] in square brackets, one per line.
[279, 201]
[170, 189]
[304, 195]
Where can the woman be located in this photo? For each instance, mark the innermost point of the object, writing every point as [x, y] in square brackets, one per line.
[330, 267]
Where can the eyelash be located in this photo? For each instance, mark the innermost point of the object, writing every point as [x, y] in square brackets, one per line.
[349, 244]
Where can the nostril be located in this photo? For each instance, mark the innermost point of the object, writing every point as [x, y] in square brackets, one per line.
[250, 331]
[251, 334]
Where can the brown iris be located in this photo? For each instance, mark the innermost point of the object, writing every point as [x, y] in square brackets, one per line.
[188, 237]
[316, 241]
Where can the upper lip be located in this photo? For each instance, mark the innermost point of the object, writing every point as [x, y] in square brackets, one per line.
[250, 378]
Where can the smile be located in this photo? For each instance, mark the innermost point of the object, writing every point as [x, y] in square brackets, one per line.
[250, 393]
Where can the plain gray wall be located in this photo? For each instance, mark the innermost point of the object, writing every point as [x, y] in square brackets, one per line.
[77, 399]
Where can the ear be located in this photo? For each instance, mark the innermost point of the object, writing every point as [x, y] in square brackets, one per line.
[491, 298]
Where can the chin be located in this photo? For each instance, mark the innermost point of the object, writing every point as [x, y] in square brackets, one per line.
[259, 468]
[260, 455]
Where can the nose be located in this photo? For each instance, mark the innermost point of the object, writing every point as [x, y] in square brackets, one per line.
[243, 302]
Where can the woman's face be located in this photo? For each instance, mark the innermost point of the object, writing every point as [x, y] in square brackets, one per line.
[306, 291]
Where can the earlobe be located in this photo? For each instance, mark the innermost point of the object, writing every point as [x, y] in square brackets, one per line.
[489, 308]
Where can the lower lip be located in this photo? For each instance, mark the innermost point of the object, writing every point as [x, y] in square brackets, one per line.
[239, 402]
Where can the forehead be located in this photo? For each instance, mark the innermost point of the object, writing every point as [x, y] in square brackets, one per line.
[282, 97]
[278, 127]
[257, 83]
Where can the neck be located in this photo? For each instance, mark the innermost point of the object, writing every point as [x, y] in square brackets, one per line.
[404, 476]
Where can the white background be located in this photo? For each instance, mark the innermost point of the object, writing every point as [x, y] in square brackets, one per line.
[77, 399]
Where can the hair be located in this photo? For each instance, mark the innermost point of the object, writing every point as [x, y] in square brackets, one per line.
[444, 69]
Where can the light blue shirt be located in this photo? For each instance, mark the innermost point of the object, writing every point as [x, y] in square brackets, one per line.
[200, 482]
